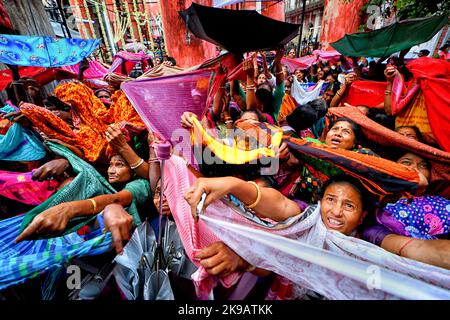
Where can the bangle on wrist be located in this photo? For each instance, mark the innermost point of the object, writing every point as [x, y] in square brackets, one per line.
[94, 204]
[258, 195]
[141, 161]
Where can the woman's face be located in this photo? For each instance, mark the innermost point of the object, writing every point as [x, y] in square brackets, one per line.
[408, 132]
[157, 198]
[341, 208]
[292, 53]
[341, 135]
[320, 75]
[417, 163]
[119, 171]
[287, 87]
[261, 79]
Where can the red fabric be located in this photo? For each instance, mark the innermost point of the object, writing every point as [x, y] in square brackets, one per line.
[366, 93]
[41, 75]
[4, 19]
[437, 100]
[433, 76]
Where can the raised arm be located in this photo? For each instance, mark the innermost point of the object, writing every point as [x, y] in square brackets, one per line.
[266, 202]
[117, 141]
[279, 75]
[251, 101]
[434, 252]
[349, 78]
[389, 73]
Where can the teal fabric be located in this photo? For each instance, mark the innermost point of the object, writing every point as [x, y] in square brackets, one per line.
[88, 183]
[140, 189]
[20, 144]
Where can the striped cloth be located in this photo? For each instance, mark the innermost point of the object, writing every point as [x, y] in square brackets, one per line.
[29, 259]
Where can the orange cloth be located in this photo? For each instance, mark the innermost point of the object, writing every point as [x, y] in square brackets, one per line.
[288, 105]
[90, 119]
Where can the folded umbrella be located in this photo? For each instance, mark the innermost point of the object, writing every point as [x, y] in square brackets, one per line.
[224, 27]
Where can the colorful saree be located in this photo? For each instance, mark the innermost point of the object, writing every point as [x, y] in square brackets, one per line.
[20, 187]
[88, 183]
[20, 144]
[424, 217]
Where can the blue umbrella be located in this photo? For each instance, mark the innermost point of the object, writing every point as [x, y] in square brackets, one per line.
[44, 51]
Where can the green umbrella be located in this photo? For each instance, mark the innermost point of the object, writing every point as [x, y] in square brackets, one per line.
[388, 40]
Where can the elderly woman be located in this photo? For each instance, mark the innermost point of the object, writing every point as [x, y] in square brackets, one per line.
[130, 192]
[343, 134]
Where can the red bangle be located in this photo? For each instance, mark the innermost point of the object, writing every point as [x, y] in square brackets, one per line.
[404, 245]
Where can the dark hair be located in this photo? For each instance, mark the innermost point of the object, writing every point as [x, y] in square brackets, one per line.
[380, 117]
[265, 96]
[355, 128]
[307, 115]
[416, 130]
[366, 197]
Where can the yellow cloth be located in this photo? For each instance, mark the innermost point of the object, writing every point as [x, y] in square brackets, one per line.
[231, 154]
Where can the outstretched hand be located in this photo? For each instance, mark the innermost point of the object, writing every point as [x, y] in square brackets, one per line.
[119, 223]
[215, 188]
[51, 221]
[220, 260]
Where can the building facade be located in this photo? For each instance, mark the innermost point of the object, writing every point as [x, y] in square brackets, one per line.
[313, 17]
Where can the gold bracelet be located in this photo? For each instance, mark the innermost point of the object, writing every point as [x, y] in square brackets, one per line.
[258, 196]
[94, 210]
[387, 92]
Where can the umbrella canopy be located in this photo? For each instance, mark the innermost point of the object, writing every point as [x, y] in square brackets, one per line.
[44, 51]
[237, 31]
[388, 40]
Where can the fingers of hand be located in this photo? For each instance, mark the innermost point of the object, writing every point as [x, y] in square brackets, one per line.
[30, 230]
[117, 239]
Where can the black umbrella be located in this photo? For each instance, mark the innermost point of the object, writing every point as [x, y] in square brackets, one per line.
[237, 31]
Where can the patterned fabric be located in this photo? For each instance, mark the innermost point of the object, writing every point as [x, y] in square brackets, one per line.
[380, 176]
[440, 160]
[90, 119]
[44, 51]
[305, 258]
[416, 115]
[422, 217]
[20, 144]
[194, 236]
[88, 183]
[20, 187]
[29, 259]
[302, 95]
[288, 105]
[254, 141]
[327, 262]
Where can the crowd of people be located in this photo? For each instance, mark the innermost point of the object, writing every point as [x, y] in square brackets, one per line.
[82, 158]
